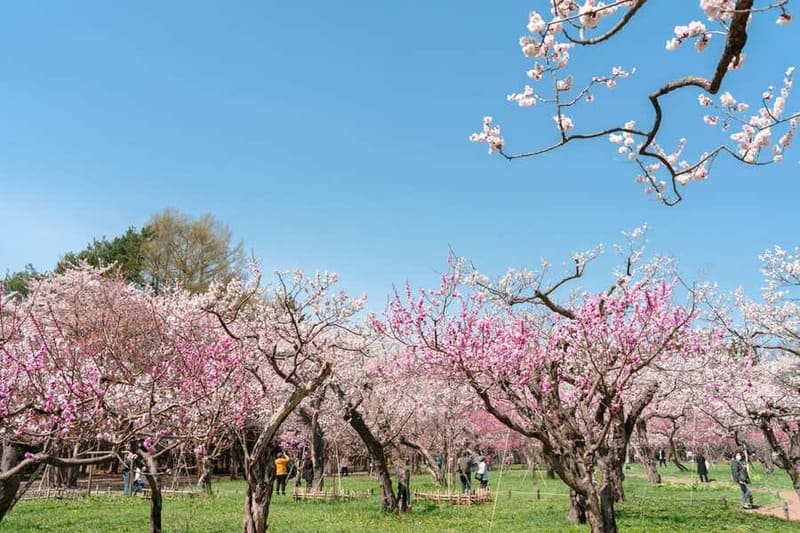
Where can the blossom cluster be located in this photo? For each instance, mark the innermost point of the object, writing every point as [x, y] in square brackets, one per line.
[756, 132]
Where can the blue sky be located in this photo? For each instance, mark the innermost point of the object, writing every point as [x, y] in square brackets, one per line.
[333, 136]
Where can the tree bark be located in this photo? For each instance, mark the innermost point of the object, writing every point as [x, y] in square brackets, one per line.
[376, 451]
[206, 466]
[787, 453]
[645, 453]
[259, 465]
[258, 495]
[403, 486]
[577, 508]
[430, 461]
[600, 510]
[673, 450]
[9, 484]
[311, 418]
[154, 485]
[236, 464]
[11, 469]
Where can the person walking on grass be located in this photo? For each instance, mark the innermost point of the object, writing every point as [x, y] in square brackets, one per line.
[740, 476]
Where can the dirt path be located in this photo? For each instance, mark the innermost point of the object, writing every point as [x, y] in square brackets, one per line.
[791, 498]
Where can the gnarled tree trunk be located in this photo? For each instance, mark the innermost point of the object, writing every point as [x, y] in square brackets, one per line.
[645, 453]
[9, 483]
[154, 484]
[377, 453]
[430, 461]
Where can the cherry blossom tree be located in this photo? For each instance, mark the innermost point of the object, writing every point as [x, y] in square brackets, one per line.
[448, 418]
[576, 376]
[71, 355]
[761, 131]
[93, 362]
[757, 389]
[374, 402]
[292, 335]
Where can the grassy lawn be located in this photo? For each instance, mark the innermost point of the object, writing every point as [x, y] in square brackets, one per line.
[678, 504]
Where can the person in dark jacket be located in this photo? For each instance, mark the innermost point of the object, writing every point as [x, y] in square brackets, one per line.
[740, 476]
[308, 470]
[702, 469]
[464, 469]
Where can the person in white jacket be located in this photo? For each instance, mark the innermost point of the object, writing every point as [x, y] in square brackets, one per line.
[482, 474]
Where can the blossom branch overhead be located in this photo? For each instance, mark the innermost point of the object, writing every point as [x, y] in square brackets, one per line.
[759, 137]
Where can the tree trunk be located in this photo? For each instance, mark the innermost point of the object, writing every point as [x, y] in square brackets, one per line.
[607, 498]
[613, 476]
[600, 510]
[376, 451]
[673, 450]
[204, 481]
[9, 483]
[577, 508]
[645, 453]
[310, 417]
[256, 506]
[787, 454]
[318, 451]
[259, 464]
[260, 475]
[71, 478]
[430, 461]
[403, 487]
[154, 484]
[236, 464]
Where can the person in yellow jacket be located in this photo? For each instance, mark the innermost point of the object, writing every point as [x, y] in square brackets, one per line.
[281, 471]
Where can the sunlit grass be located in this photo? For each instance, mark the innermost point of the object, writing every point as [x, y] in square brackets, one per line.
[523, 502]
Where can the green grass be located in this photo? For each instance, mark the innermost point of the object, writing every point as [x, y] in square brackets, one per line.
[678, 504]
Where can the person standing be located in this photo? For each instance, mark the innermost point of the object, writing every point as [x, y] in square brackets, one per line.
[482, 473]
[740, 476]
[281, 472]
[464, 469]
[662, 457]
[138, 481]
[308, 470]
[702, 468]
[127, 466]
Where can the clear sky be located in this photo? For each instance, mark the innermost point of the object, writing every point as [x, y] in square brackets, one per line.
[334, 136]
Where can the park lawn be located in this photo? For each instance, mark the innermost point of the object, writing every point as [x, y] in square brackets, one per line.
[524, 502]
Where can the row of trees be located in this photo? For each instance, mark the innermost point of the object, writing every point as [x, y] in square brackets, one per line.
[171, 249]
[95, 366]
